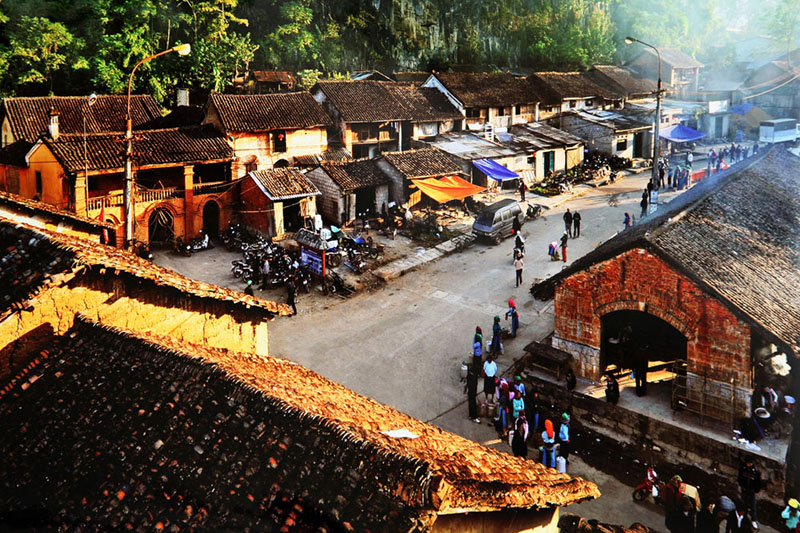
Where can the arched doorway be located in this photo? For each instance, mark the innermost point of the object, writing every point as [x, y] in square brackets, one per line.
[160, 226]
[647, 345]
[211, 219]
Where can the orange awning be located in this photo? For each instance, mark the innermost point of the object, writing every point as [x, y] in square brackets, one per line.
[448, 188]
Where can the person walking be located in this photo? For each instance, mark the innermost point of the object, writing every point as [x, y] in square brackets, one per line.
[517, 404]
[533, 409]
[612, 389]
[497, 335]
[564, 239]
[265, 274]
[477, 348]
[791, 515]
[514, 316]
[549, 447]
[568, 222]
[249, 289]
[643, 204]
[563, 437]
[626, 221]
[576, 225]
[640, 367]
[472, 394]
[689, 159]
[519, 437]
[291, 292]
[750, 482]
[518, 264]
[489, 373]
[521, 188]
[738, 521]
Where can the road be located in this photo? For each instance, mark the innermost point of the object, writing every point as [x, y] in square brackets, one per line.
[403, 343]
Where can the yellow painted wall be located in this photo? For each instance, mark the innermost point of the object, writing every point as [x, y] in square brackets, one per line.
[53, 190]
[298, 142]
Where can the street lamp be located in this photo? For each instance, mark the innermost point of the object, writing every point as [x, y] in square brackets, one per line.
[181, 49]
[656, 140]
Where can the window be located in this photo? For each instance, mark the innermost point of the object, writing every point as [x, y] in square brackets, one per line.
[517, 109]
[278, 141]
[572, 104]
[473, 112]
[38, 182]
[622, 144]
[503, 111]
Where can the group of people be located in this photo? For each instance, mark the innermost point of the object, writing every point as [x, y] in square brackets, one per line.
[572, 230]
[734, 154]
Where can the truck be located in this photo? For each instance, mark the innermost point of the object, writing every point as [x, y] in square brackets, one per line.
[778, 130]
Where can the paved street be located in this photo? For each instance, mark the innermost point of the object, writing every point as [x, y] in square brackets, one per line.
[403, 343]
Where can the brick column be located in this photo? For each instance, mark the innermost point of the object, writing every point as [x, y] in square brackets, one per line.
[188, 201]
[80, 194]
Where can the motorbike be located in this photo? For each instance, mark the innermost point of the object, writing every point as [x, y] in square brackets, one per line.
[181, 247]
[533, 212]
[201, 243]
[651, 486]
[519, 247]
[142, 250]
[334, 284]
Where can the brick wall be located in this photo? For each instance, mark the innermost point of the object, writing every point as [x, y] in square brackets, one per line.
[330, 204]
[718, 343]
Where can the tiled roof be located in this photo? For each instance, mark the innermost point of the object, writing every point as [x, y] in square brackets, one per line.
[540, 136]
[354, 175]
[737, 234]
[16, 202]
[34, 258]
[424, 103]
[200, 438]
[29, 117]
[283, 183]
[333, 153]
[264, 112]
[569, 85]
[273, 76]
[495, 89]
[14, 154]
[424, 163]
[620, 80]
[618, 120]
[175, 146]
[377, 101]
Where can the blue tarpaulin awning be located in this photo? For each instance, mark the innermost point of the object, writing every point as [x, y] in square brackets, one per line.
[680, 134]
[495, 170]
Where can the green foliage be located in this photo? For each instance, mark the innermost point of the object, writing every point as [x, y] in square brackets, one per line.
[80, 46]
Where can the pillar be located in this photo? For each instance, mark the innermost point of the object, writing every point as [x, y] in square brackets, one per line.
[188, 202]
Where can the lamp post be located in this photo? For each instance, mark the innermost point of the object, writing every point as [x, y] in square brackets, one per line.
[90, 100]
[656, 139]
[181, 49]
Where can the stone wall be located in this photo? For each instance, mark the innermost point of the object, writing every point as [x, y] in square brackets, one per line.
[717, 342]
[330, 203]
[657, 441]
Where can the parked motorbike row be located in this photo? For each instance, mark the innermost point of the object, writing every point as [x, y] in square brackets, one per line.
[284, 267]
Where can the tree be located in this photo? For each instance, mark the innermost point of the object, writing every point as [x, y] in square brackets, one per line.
[38, 49]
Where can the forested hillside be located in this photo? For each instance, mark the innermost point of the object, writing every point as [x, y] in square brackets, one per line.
[80, 46]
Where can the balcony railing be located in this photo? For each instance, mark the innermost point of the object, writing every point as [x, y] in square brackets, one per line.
[365, 137]
[212, 187]
[117, 199]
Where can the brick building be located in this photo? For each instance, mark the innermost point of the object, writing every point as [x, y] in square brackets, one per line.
[371, 117]
[182, 178]
[278, 200]
[710, 285]
[269, 130]
[679, 71]
[137, 399]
